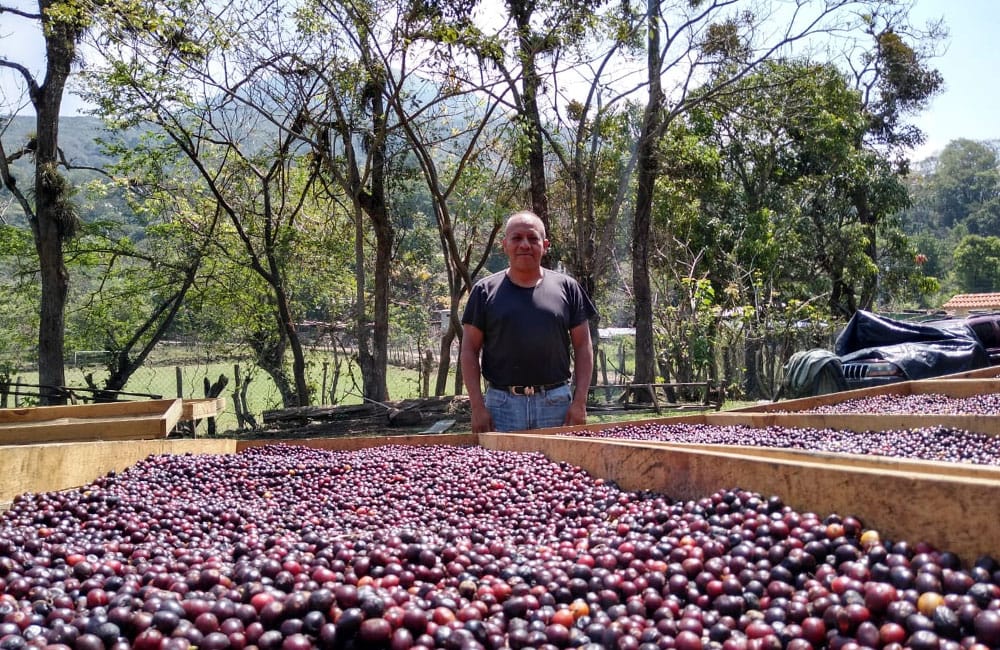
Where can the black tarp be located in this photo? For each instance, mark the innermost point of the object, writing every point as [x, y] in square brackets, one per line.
[921, 350]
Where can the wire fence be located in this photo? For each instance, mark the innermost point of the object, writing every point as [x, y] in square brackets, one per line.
[194, 371]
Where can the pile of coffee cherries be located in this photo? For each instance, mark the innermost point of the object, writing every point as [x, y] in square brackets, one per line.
[915, 404]
[287, 548]
[936, 443]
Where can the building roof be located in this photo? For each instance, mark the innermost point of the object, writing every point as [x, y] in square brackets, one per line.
[966, 302]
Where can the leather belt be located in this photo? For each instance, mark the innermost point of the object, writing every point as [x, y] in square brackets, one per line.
[528, 391]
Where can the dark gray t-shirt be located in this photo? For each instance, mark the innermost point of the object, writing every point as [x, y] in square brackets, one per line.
[526, 330]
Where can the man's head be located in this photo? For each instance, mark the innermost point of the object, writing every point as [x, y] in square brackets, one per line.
[524, 241]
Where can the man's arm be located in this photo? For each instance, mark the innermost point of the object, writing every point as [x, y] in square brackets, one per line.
[583, 367]
[472, 343]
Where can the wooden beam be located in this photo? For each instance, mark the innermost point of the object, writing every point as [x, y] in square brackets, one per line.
[88, 422]
[354, 443]
[199, 409]
[61, 466]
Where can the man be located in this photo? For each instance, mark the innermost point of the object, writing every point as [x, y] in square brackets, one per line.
[524, 320]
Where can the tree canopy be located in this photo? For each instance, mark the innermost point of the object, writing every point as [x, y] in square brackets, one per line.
[352, 160]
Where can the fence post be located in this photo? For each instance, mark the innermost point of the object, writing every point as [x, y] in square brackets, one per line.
[621, 362]
[322, 394]
[180, 381]
[602, 355]
[425, 373]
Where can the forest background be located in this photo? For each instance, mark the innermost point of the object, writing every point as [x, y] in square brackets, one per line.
[316, 184]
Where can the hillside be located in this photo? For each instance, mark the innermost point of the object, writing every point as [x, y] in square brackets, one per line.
[76, 138]
[78, 141]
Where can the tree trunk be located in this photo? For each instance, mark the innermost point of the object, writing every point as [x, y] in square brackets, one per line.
[362, 336]
[287, 323]
[645, 354]
[55, 286]
[378, 389]
[373, 333]
[522, 11]
[376, 386]
[53, 222]
[270, 356]
[444, 360]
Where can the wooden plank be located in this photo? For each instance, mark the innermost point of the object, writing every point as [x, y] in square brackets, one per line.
[791, 412]
[952, 386]
[979, 373]
[959, 387]
[987, 424]
[363, 442]
[88, 422]
[61, 466]
[199, 409]
[104, 409]
[952, 513]
[912, 466]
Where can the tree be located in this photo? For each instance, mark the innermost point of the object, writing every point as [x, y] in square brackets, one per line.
[137, 284]
[353, 136]
[540, 33]
[966, 187]
[953, 195]
[977, 264]
[51, 213]
[457, 135]
[894, 81]
[706, 48]
[241, 133]
[593, 138]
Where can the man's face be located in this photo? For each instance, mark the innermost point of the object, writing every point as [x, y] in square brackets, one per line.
[524, 244]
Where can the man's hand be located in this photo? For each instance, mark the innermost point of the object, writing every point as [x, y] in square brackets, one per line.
[577, 413]
[481, 420]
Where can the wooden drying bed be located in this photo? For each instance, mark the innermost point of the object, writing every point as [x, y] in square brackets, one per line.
[951, 506]
[140, 420]
[791, 413]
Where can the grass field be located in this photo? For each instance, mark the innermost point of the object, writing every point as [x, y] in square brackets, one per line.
[262, 395]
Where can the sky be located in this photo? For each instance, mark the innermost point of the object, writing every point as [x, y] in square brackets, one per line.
[969, 106]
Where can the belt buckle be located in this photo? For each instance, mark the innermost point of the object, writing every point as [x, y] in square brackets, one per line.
[529, 391]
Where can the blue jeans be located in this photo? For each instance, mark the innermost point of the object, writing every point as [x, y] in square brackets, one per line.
[520, 412]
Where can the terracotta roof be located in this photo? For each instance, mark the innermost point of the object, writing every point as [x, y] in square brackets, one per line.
[969, 301]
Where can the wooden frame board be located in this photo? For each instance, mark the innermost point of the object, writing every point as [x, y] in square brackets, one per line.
[979, 373]
[353, 443]
[791, 413]
[954, 387]
[82, 422]
[51, 467]
[199, 409]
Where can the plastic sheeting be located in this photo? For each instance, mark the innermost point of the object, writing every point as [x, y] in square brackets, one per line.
[920, 350]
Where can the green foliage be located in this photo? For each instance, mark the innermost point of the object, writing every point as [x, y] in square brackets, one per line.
[904, 84]
[686, 332]
[977, 264]
[955, 196]
[724, 40]
[768, 204]
[966, 187]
